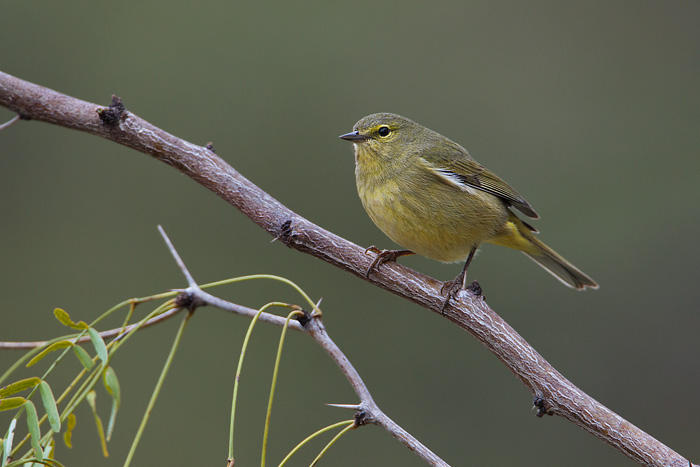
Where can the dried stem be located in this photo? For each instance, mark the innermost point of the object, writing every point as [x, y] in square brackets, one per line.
[553, 393]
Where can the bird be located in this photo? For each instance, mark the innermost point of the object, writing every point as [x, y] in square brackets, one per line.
[426, 193]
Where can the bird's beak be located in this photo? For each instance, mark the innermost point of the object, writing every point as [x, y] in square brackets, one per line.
[354, 137]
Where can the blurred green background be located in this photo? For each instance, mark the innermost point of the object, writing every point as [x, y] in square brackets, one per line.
[590, 109]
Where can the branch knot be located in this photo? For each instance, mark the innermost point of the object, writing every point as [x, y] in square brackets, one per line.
[189, 301]
[362, 418]
[543, 407]
[286, 232]
[115, 113]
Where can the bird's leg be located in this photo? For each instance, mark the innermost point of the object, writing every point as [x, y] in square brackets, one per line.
[383, 256]
[459, 282]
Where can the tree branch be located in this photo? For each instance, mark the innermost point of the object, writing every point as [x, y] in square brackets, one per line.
[367, 411]
[553, 394]
[120, 331]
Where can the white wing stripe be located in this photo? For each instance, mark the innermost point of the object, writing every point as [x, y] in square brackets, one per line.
[451, 178]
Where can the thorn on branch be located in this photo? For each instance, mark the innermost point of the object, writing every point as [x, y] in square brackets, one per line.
[210, 146]
[14, 119]
[115, 113]
[542, 407]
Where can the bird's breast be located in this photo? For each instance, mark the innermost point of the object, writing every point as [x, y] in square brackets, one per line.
[428, 217]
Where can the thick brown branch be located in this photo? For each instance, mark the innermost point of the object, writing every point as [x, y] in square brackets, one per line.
[553, 393]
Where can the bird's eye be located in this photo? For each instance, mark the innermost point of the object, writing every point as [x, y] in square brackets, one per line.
[383, 131]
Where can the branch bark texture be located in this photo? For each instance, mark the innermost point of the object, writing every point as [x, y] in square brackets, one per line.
[552, 392]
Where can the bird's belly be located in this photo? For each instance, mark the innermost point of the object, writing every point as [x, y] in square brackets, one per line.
[443, 226]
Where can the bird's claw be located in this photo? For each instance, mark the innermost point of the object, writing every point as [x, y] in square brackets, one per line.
[383, 256]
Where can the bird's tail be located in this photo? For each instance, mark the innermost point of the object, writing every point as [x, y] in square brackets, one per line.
[520, 236]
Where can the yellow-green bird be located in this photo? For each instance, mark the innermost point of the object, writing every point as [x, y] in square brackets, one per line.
[427, 194]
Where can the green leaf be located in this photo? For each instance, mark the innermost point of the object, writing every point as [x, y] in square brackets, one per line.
[99, 344]
[19, 386]
[109, 378]
[64, 318]
[83, 356]
[50, 406]
[101, 433]
[55, 346]
[48, 451]
[48, 456]
[112, 419]
[33, 427]
[7, 444]
[91, 397]
[68, 435]
[12, 403]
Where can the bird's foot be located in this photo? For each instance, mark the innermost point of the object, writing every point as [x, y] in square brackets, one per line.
[384, 256]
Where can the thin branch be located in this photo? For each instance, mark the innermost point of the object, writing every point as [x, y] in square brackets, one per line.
[176, 257]
[367, 411]
[105, 334]
[553, 393]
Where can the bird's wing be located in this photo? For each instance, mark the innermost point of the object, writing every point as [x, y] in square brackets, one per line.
[463, 172]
